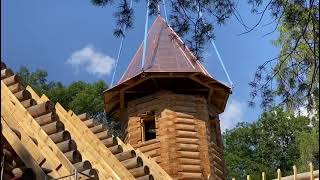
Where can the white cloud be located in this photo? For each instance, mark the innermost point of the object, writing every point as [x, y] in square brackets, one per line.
[232, 115]
[92, 61]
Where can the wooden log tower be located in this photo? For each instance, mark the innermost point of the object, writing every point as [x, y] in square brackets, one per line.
[170, 109]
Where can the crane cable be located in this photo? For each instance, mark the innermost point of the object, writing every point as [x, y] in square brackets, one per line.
[119, 51]
[221, 62]
[211, 41]
[218, 54]
[165, 11]
[145, 38]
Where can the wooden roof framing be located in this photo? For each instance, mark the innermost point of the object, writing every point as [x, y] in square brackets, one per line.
[16, 116]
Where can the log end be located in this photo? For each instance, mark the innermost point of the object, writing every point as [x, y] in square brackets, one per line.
[83, 116]
[3, 65]
[60, 126]
[76, 156]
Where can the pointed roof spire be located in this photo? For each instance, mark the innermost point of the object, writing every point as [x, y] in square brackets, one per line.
[169, 64]
[165, 53]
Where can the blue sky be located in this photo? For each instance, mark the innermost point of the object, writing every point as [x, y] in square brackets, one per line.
[71, 38]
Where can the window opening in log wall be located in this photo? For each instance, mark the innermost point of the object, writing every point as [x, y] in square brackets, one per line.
[149, 126]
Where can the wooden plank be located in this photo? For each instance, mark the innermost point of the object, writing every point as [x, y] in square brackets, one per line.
[36, 153]
[114, 166]
[12, 107]
[21, 151]
[105, 162]
[84, 145]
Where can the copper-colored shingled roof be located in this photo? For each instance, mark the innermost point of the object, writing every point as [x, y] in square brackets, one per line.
[165, 53]
[167, 61]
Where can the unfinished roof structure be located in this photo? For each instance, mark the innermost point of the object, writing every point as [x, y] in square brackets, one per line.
[41, 140]
[169, 107]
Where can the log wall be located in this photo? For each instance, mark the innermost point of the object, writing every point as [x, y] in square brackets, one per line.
[184, 147]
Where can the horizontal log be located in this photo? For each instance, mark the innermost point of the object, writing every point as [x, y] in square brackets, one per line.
[216, 148]
[153, 153]
[16, 87]
[218, 166]
[98, 128]
[6, 73]
[28, 103]
[3, 65]
[187, 154]
[188, 147]
[185, 121]
[83, 165]
[89, 123]
[23, 172]
[67, 145]
[111, 141]
[23, 95]
[145, 143]
[219, 173]
[11, 80]
[216, 153]
[53, 127]
[41, 109]
[126, 155]
[60, 136]
[186, 127]
[83, 116]
[47, 118]
[217, 159]
[146, 177]
[187, 161]
[183, 115]
[186, 134]
[140, 171]
[188, 140]
[149, 147]
[216, 156]
[116, 149]
[103, 135]
[93, 173]
[188, 175]
[74, 156]
[302, 176]
[132, 163]
[184, 109]
[190, 168]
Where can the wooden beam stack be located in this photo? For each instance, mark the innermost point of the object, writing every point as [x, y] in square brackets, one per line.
[17, 102]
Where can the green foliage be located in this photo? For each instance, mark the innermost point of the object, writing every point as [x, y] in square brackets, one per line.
[276, 140]
[292, 79]
[79, 96]
[308, 145]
